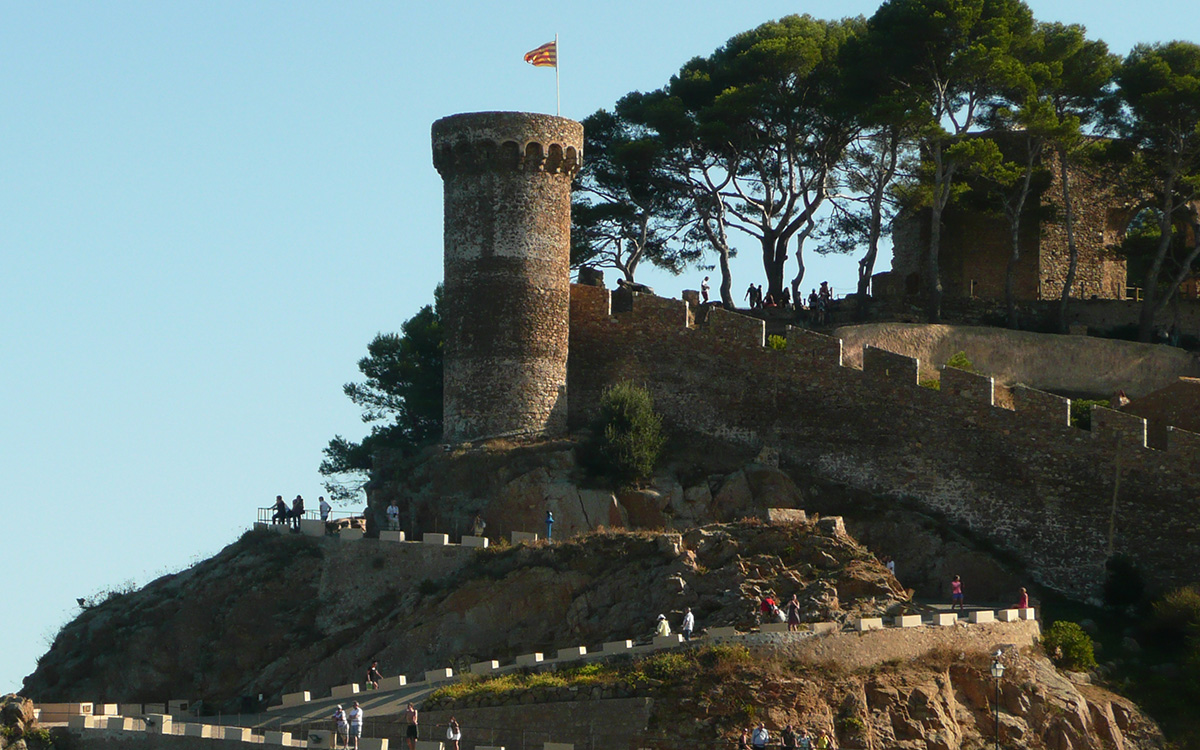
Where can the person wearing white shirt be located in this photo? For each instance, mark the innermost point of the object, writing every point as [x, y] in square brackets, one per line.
[760, 738]
[325, 508]
[356, 722]
[689, 622]
[393, 516]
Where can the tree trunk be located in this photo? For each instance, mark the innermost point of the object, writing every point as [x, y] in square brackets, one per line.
[774, 263]
[1014, 228]
[941, 196]
[1150, 283]
[933, 283]
[726, 278]
[1072, 250]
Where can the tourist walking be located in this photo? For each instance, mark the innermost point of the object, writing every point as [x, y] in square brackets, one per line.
[356, 722]
[956, 594]
[704, 291]
[373, 676]
[662, 627]
[453, 733]
[788, 737]
[824, 741]
[744, 740]
[341, 728]
[689, 622]
[410, 728]
[549, 525]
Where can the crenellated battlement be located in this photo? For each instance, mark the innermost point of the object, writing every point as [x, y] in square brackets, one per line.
[515, 142]
[1022, 477]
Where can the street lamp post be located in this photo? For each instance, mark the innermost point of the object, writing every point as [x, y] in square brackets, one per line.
[997, 672]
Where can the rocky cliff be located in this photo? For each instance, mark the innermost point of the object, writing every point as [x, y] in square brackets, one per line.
[943, 700]
[276, 613]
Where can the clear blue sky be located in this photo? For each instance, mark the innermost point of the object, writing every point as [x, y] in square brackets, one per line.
[207, 209]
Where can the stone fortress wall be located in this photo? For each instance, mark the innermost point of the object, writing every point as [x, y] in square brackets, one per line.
[1023, 480]
[507, 187]
[1061, 499]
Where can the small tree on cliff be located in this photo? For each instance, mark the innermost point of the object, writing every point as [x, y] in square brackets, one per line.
[402, 393]
[627, 438]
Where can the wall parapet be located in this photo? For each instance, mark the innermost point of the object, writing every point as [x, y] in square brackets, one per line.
[651, 308]
[880, 364]
[971, 386]
[737, 329]
[1119, 428]
[1041, 406]
[814, 347]
[1184, 444]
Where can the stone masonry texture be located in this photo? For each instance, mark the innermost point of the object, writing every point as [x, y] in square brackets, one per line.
[1023, 480]
[507, 196]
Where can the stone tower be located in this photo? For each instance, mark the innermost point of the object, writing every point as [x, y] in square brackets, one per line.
[506, 297]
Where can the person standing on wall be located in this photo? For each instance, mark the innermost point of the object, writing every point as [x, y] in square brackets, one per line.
[956, 594]
[793, 614]
[297, 512]
[373, 676]
[478, 526]
[410, 729]
[356, 722]
[761, 737]
[341, 728]
[704, 291]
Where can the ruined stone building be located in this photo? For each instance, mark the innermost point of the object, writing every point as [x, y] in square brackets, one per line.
[975, 245]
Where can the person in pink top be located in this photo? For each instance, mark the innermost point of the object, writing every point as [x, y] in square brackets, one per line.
[956, 594]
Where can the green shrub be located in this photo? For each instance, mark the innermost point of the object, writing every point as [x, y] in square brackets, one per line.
[1081, 411]
[627, 439]
[668, 665]
[1068, 646]
[778, 343]
[933, 384]
[1177, 613]
[960, 362]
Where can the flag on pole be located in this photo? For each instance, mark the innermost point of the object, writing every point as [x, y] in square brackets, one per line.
[545, 56]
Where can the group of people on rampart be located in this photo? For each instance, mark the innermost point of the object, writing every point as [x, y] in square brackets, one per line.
[292, 515]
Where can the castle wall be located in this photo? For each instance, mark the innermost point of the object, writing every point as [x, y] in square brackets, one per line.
[507, 202]
[1023, 480]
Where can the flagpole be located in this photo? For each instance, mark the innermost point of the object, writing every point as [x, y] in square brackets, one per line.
[557, 95]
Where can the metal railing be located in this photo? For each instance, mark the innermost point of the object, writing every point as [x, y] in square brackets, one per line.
[267, 515]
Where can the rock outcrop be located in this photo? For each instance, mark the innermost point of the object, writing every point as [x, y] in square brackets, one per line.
[280, 613]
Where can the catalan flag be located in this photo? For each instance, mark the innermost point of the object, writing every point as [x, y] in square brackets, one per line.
[545, 56]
